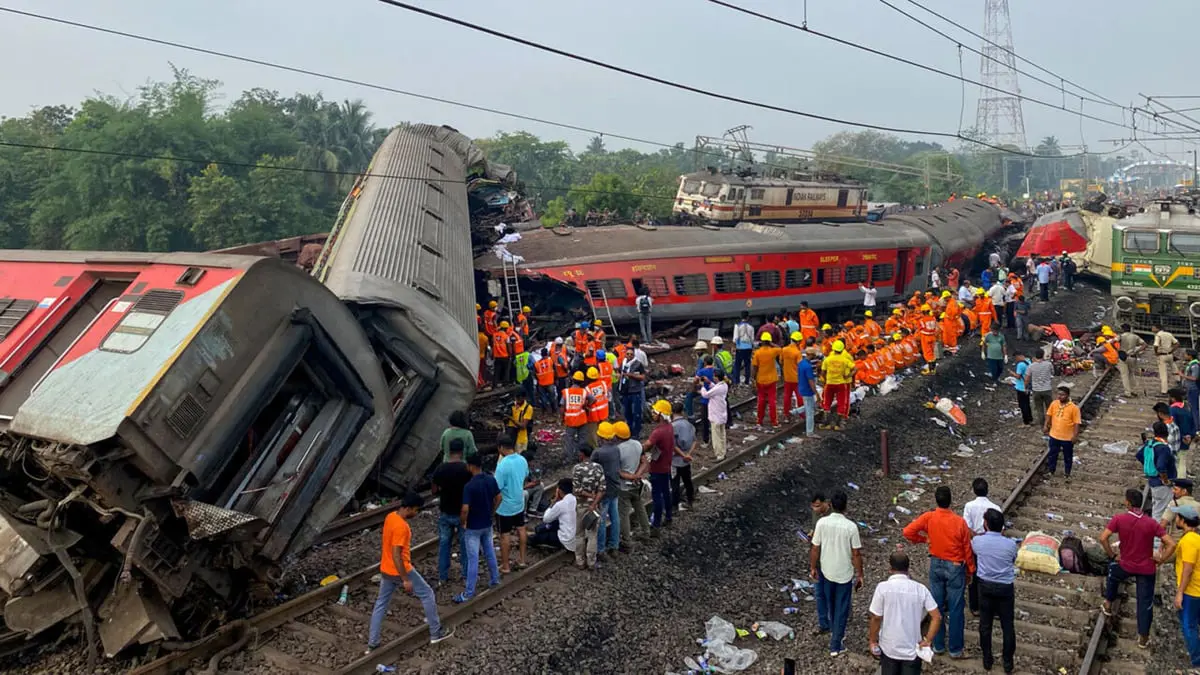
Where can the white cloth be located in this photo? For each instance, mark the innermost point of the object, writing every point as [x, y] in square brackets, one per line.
[868, 295]
[563, 511]
[974, 510]
[837, 536]
[718, 412]
[935, 279]
[743, 332]
[902, 603]
[639, 355]
[993, 259]
[996, 293]
[1010, 293]
[965, 294]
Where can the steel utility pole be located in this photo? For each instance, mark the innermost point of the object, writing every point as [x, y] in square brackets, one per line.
[999, 117]
[1194, 171]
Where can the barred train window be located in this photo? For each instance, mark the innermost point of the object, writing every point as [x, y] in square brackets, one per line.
[882, 272]
[766, 280]
[799, 278]
[611, 288]
[691, 284]
[856, 274]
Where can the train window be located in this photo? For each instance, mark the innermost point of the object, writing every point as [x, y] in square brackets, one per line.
[757, 193]
[690, 187]
[856, 274]
[691, 284]
[919, 268]
[766, 280]
[141, 321]
[1184, 243]
[655, 286]
[798, 278]
[711, 189]
[1140, 242]
[730, 282]
[606, 288]
[882, 272]
[829, 276]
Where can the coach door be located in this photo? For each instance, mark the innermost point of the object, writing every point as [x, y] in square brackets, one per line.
[903, 269]
[843, 198]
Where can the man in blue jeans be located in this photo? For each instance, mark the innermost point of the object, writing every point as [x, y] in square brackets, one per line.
[1136, 531]
[608, 456]
[743, 342]
[633, 397]
[806, 387]
[395, 569]
[820, 509]
[950, 563]
[447, 484]
[481, 497]
[836, 556]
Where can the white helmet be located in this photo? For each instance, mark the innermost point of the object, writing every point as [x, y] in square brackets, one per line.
[716, 340]
[700, 346]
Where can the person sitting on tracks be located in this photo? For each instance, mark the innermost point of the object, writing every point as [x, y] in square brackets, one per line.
[512, 475]
[447, 483]
[395, 569]
[764, 367]
[587, 477]
[1137, 532]
[481, 497]
[557, 529]
[951, 562]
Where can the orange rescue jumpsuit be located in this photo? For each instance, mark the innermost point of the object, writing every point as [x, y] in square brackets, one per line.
[929, 331]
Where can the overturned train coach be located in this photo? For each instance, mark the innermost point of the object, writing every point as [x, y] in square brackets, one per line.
[177, 426]
[710, 273]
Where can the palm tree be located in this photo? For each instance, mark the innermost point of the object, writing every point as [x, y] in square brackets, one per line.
[1049, 147]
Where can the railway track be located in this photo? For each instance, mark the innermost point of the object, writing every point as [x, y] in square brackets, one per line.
[1059, 626]
[314, 634]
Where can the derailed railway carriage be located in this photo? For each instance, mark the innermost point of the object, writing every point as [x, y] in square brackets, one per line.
[174, 422]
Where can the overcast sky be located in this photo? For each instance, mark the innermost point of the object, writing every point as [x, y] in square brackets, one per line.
[1099, 44]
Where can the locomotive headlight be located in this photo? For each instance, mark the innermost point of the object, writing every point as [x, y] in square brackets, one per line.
[1194, 310]
[1126, 304]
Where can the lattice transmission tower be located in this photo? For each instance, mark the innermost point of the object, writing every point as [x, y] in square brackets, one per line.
[999, 116]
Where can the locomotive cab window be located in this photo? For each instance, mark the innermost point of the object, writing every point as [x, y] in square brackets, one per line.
[799, 278]
[766, 280]
[1140, 242]
[691, 284]
[1182, 243]
[690, 187]
[730, 282]
[711, 189]
[757, 193]
[829, 276]
[882, 272]
[656, 287]
[856, 274]
[606, 288]
[141, 321]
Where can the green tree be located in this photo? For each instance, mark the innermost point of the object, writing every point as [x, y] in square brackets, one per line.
[605, 192]
[217, 205]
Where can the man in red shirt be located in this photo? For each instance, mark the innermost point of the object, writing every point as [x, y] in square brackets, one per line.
[1137, 532]
[662, 448]
[951, 563]
[395, 569]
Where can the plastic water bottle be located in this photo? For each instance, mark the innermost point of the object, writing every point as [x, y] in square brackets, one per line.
[790, 610]
[380, 668]
[345, 596]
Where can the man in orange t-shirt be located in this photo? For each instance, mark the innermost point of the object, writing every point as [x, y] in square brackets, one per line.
[395, 569]
[951, 563]
[789, 362]
[766, 376]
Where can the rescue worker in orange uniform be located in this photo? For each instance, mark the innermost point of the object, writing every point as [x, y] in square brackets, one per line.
[912, 349]
[808, 322]
[575, 402]
[827, 339]
[952, 309]
[598, 335]
[501, 356]
[849, 338]
[543, 373]
[789, 362]
[484, 342]
[928, 333]
[896, 351]
[581, 336]
[523, 321]
[894, 321]
[951, 327]
[489, 319]
[984, 310]
[518, 342]
[605, 368]
[588, 350]
[869, 326]
[562, 364]
[1109, 350]
[597, 410]
[915, 301]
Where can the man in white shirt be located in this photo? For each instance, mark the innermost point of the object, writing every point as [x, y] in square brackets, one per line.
[557, 529]
[836, 555]
[994, 259]
[935, 279]
[897, 609]
[869, 292]
[973, 514]
[965, 294]
[996, 293]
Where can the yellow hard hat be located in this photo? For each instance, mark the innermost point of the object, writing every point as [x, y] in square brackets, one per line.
[945, 294]
[926, 308]
[606, 430]
[578, 376]
[477, 307]
[505, 324]
[942, 315]
[597, 322]
[1100, 340]
[868, 313]
[765, 337]
[897, 311]
[492, 304]
[826, 327]
[1107, 331]
[662, 407]
[839, 346]
[797, 337]
[622, 429]
[978, 291]
[526, 309]
[593, 374]
[897, 336]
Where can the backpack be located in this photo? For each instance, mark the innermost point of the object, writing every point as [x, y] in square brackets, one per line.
[1149, 470]
[644, 304]
[1072, 557]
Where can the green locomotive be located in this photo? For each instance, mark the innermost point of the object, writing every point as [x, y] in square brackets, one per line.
[1156, 269]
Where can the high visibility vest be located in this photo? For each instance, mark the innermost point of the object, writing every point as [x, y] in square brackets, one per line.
[544, 370]
[871, 328]
[1110, 354]
[523, 325]
[500, 344]
[598, 337]
[518, 343]
[573, 413]
[581, 339]
[606, 370]
[489, 322]
[929, 327]
[598, 411]
[522, 362]
[809, 323]
[561, 364]
[589, 353]
[621, 350]
[725, 360]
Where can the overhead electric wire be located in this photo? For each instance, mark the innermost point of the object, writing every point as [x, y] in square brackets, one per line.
[900, 59]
